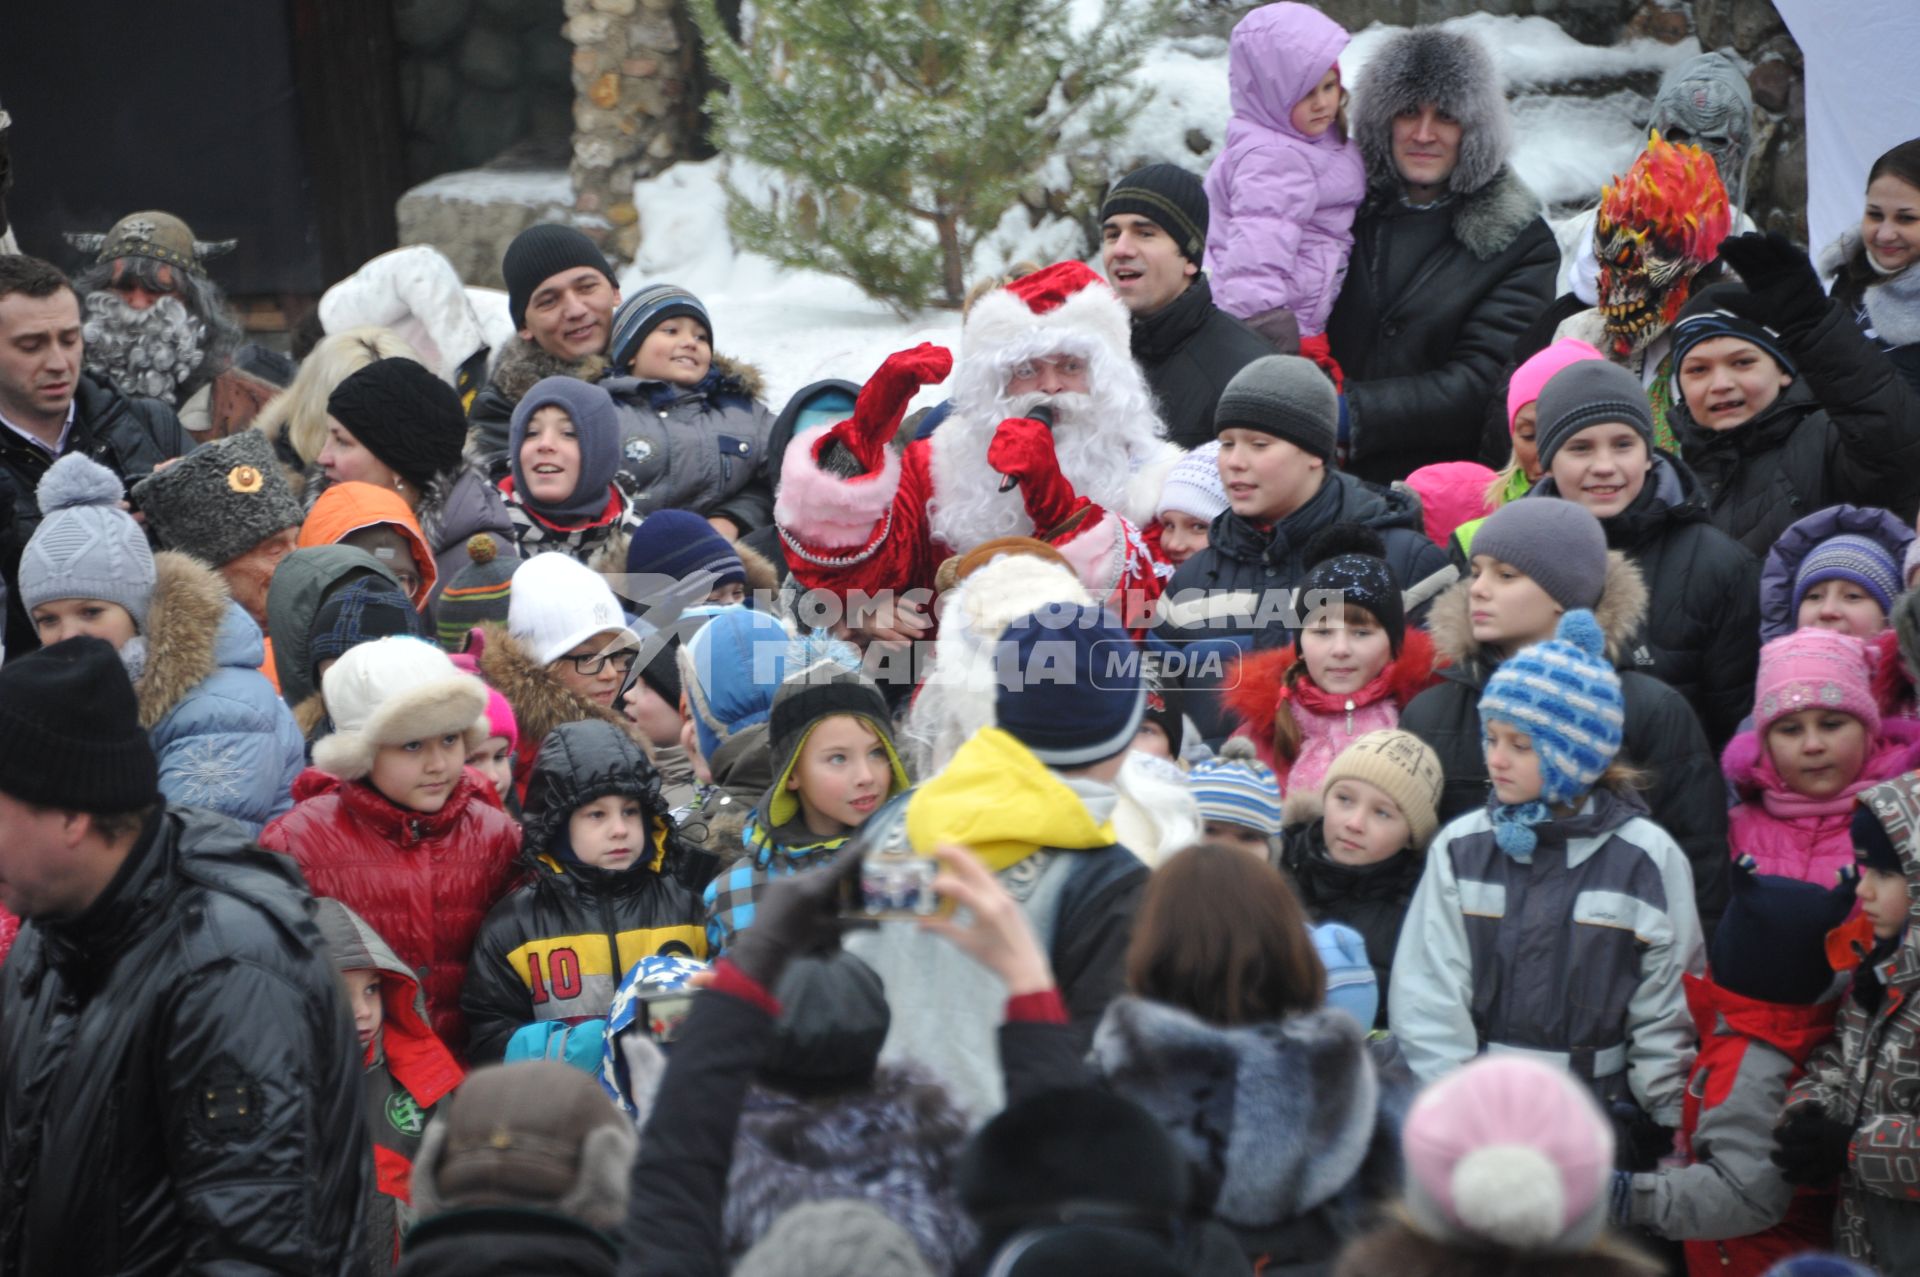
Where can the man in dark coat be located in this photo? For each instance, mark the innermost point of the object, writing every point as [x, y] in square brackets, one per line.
[49, 407]
[561, 295]
[1451, 259]
[180, 1087]
[1154, 226]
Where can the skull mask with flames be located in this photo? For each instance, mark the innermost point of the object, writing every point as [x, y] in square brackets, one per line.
[1656, 228]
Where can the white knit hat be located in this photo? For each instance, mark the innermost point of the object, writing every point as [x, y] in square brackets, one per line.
[559, 603]
[1193, 485]
[389, 692]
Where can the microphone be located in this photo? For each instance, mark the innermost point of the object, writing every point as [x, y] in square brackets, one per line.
[1042, 413]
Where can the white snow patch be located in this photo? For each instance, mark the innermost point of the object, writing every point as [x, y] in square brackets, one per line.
[532, 187]
[1566, 149]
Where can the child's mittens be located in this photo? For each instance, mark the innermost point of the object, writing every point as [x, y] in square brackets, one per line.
[1810, 1148]
[577, 1044]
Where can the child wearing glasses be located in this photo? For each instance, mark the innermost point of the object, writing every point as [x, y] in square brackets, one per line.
[562, 655]
[390, 823]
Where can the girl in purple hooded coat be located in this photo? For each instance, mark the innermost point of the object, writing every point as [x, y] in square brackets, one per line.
[1283, 192]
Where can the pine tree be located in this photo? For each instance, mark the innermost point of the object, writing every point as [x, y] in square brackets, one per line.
[902, 130]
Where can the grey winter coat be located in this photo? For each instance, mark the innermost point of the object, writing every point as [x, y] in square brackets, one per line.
[1290, 1134]
[1576, 957]
[1866, 1075]
[1421, 360]
[701, 448]
[1701, 631]
[1686, 794]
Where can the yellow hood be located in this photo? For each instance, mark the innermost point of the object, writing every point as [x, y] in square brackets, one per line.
[999, 800]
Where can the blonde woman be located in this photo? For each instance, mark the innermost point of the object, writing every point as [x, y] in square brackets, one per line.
[296, 419]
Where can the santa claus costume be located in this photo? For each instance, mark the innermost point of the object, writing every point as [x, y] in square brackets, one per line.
[857, 515]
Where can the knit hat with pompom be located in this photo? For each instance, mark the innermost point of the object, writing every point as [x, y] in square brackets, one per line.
[1508, 1152]
[1566, 696]
[86, 546]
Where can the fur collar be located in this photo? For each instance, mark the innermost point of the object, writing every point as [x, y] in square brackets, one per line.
[1398, 1247]
[1275, 1119]
[540, 703]
[1622, 607]
[1257, 695]
[730, 377]
[893, 1143]
[522, 364]
[188, 606]
[1489, 220]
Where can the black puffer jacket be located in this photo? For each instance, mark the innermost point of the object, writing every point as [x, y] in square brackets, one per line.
[1241, 559]
[1372, 899]
[1189, 350]
[1421, 360]
[126, 435]
[579, 928]
[180, 1084]
[1848, 431]
[1686, 795]
[1701, 636]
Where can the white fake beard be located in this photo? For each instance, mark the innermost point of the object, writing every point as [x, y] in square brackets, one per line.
[149, 352]
[1090, 439]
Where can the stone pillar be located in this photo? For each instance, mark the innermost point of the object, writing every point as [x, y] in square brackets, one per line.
[632, 63]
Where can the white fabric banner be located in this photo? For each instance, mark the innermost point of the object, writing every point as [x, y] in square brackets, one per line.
[1862, 98]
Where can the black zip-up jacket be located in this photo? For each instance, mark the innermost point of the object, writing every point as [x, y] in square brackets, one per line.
[180, 1081]
[557, 948]
[1422, 359]
[1847, 431]
[1372, 899]
[1190, 349]
[126, 435]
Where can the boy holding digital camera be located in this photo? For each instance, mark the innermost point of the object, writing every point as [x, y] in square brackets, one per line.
[834, 766]
[605, 870]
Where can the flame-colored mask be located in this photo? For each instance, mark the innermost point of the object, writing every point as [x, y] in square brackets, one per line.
[1656, 228]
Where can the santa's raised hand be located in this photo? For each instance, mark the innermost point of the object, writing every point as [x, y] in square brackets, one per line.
[883, 401]
[1022, 449]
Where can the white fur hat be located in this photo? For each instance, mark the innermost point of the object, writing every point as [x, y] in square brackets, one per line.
[389, 692]
[558, 603]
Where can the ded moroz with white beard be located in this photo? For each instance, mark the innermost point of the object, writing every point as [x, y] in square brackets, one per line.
[858, 515]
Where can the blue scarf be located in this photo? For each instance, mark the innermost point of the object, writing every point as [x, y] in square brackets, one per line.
[1515, 827]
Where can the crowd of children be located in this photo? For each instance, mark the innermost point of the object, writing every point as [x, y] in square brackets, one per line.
[1548, 869]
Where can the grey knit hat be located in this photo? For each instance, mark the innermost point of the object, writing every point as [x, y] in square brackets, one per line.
[86, 547]
[220, 500]
[1592, 392]
[1560, 544]
[835, 1236]
[1287, 397]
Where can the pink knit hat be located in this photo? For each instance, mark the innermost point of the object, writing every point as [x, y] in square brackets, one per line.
[499, 716]
[1451, 493]
[1531, 377]
[1814, 669]
[1508, 1151]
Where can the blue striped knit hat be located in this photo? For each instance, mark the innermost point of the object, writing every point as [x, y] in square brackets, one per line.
[1237, 789]
[646, 310]
[1565, 696]
[1850, 557]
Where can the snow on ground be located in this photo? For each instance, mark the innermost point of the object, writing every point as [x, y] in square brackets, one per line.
[801, 326]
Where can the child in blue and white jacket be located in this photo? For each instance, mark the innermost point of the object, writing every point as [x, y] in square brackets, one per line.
[1558, 920]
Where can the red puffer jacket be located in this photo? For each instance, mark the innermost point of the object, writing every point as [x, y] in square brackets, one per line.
[425, 883]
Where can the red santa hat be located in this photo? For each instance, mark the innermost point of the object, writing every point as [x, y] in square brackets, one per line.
[1063, 307]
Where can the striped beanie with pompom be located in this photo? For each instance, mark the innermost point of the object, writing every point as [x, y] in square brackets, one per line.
[1237, 788]
[1565, 696]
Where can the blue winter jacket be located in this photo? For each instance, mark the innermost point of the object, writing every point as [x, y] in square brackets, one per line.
[225, 739]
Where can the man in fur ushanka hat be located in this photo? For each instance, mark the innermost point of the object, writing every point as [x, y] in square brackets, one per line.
[1451, 258]
[856, 514]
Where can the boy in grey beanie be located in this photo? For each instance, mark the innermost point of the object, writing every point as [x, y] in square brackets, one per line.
[1558, 543]
[1591, 392]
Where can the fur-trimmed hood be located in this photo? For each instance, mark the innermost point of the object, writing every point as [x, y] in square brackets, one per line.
[1622, 607]
[737, 379]
[193, 628]
[893, 1144]
[1453, 72]
[1274, 1119]
[1257, 682]
[522, 364]
[540, 702]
